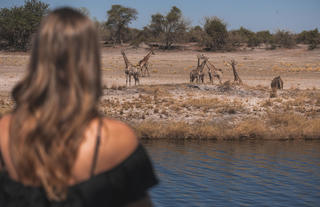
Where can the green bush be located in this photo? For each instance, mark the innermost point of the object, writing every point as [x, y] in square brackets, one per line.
[19, 23]
[284, 39]
[264, 37]
[216, 34]
[168, 29]
[312, 38]
[195, 34]
[243, 36]
[118, 19]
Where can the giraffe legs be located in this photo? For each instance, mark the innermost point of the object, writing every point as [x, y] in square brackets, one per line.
[136, 79]
[127, 78]
[147, 71]
[210, 77]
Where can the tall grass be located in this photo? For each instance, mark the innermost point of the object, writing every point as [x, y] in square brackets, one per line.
[273, 127]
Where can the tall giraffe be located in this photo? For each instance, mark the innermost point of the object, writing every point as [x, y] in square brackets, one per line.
[194, 72]
[197, 73]
[130, 70]
[144, 65]
[237, 78]
[214, 72]
[200, 69]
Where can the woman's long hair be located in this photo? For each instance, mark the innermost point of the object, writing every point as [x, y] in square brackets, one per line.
[55, 101]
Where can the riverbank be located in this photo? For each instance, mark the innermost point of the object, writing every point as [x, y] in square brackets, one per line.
[166, 105]
[226, 112]
[215, 112]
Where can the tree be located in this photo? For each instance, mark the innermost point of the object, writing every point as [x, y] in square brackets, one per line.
[312, 38]
[195, 34]
[157, 26]
[118, 19]
[284, 39]
[264, 36]
[19, 23]
[170, 28]
[216, 33]
[244, 35]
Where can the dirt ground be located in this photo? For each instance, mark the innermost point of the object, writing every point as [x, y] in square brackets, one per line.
[298, 68]
[167, 97]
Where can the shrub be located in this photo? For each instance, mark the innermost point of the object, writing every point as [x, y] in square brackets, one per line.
[312, 38]
[168, 29]
[19, 23]
[118, 19]
[264, 37]
[284, 39]
[195, 34]
[216, 34]
[247, 36]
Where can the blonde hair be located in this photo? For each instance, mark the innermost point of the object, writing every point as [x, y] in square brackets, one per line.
[55, 101]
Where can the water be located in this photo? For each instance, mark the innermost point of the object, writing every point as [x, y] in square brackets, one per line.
[269, 173]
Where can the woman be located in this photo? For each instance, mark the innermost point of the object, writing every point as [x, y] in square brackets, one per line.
[56, 149]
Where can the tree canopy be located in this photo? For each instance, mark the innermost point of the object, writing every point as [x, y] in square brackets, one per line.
[168, 28]
[17, 24]
[118, 19]
[216, 33]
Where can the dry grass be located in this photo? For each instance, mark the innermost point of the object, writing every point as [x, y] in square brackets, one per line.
[14, 60]
[290, 67]
[175, 130]
[277, 127]
[180, 112]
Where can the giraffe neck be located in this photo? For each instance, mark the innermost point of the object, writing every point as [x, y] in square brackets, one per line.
[202, 65]
[233, 67]
[145, 59]
[148, 56]
[126, 60]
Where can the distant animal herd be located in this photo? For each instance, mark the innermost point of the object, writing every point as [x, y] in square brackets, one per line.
[196, 75]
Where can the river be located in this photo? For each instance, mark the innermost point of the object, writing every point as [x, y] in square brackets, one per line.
[259, 173]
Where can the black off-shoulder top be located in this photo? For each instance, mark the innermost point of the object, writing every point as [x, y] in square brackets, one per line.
[123, 184]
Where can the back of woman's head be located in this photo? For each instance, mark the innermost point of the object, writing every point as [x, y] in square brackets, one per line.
[56, 100]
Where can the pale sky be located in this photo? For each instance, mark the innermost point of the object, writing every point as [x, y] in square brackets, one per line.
[256, 15]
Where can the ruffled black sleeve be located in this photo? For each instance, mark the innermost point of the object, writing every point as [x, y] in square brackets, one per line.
[126, 183]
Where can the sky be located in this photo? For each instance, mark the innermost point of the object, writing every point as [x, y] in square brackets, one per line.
[256, 15]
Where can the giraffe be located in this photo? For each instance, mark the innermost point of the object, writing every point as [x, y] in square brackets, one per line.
[215, 72]
[130, 70]
[201, 67]
[197, 73]
[237, 78]
[144, 65]
[194, 72]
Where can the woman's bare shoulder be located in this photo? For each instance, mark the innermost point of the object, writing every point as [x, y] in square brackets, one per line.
[5, 119]
[4, 124]
[118, 141]
[119, 133]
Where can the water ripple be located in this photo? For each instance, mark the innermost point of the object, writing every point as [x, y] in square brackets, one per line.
[236, 173]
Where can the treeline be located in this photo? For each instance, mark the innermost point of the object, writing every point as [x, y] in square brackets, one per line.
[166, 31]
[18, 24]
